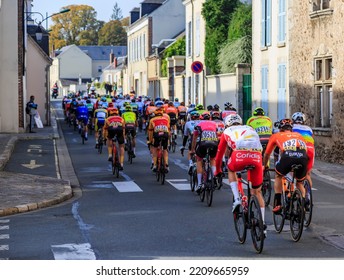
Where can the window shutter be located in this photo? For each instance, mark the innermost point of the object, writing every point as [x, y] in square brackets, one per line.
[263, 39]
[268, 22]
[265, 96]
[281, 21]
[281, 97]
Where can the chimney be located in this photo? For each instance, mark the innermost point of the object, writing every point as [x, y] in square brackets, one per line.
[112, 56]
[115, 62]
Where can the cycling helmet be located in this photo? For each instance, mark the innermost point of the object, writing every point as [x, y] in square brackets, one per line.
[182, 103]
[88, 101]
[126, 103]
[176, 99]
[205, 116]
[199, 107]
[258, 112]
[113, 111]
[215, 115]
[228, 105]
[216, 107]
[110, 105]
[285, 124]
[192, 106]
[128, 108]
[170, 104]
[194, 115]
[157, 99]
[103, 99]
[159, 103]
[210, 107]
[233, 119]
[298, 117]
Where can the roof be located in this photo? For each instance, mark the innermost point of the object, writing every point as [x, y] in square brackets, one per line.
[153, 1]
[98, 52]
[103, 52]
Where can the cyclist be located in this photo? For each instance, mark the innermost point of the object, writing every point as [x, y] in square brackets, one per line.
[307, 133]
[181, 115]
[216, 108]
[229, 109]
[172, 111]
[245, 149]
[292, 150]
[176, 103]
[82, 118]
[262, 124]
[200, 109]
[99, 117]
[158, 132]
[204, 137]
[188, 131]
[114, 126]
[135, 107]
[130, 123]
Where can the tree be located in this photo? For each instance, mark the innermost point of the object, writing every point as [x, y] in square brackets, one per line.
[116, 12]
[238, 48]
[112, 33]
[217, 15]
[79, 26]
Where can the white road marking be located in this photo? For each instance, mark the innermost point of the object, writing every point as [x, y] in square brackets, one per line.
[32, 164]
[4, 236]
[73, 252]
[127, 186]
[4, 248]
[180, 184]
[4, 227]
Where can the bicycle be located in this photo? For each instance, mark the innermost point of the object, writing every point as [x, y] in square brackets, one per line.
[115, 159]
[101, 140]
[248, 215]
[173, 143]
[292, 205]
[82, 132]
[160, 164]
[129, 147]
[192, 172]
[208, 181]
[308, 203]
[266, 187]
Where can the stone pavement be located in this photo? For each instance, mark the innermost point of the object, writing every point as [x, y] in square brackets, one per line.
[22, 192]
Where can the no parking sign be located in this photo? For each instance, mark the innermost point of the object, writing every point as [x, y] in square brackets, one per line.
[197, 67]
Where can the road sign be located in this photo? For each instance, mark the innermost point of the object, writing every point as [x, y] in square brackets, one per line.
[197, 67]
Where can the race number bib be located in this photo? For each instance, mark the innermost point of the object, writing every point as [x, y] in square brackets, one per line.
[209, 136]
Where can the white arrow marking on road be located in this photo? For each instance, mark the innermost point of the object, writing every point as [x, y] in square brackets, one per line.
[32, 164]
[73, 252]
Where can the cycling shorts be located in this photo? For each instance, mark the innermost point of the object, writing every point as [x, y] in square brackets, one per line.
[83, 119]
[99, 123]
[289, 158]
[173, 118]
[129, 128]
[160, 137]
[201, 149]
[240, 159]
[118, 132]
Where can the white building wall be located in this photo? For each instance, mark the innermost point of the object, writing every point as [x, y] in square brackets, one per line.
[9, 116]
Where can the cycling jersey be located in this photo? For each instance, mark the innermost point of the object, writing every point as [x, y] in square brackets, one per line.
[82, 114]
[246, 149]
[159, 128]
[173, 113]
[114, 126]
[206, 138]
[263, 126]
[307, 134]
[188, 131]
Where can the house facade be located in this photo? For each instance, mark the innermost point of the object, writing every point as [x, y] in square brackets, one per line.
[154, 24]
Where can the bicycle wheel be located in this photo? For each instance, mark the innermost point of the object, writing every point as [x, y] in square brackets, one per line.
[115, 163]
[100, 145]
[210, 186]
[256, 224]
[297, 215]
[279, 218]
[162, 170]
[308, 203]
[266, 187]
[202, 193]
[129, 150]
[239, 218]
[157, 172]
[193, 179]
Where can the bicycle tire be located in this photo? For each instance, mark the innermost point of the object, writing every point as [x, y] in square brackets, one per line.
[162, 170]
[308, 203]
[129, 150]
[297, 215]
[266, 187]
[279, 218]
[157, 172]
[100, 145]
[202, 193]
[115, 164]
[192, 179]
[210, 187]
[239, 218]
[256, 224]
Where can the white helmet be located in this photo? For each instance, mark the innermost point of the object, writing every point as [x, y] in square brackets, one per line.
[298, 117]
[233, 119]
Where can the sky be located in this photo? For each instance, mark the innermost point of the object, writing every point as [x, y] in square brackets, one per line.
[102, 7]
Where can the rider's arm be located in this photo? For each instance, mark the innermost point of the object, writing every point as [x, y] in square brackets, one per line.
[221, 149]
[269, 148]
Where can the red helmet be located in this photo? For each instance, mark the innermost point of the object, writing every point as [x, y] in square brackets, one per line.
[205, 116]
[113, 111]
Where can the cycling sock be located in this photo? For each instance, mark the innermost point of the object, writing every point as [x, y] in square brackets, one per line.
[213, 168]
[190, 162]
[262, 209]
[234, 187]
[199, 178]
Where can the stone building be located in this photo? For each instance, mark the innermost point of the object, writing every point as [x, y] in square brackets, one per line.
[316, 73]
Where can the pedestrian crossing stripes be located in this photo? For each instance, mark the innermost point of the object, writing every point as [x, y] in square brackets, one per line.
[127, 186]
[180, 184]
[4, 239]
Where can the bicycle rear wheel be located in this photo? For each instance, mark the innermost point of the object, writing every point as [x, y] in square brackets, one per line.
[202, 193]
[209, 189]
[129, 150]
[297, 215]
[256, 224]
[266, 187]
[100, 145]
[115, 164]
[308, 203]
[279, 218]
[239, 218]
[193, 179]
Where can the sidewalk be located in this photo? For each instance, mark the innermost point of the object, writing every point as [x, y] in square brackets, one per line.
[23, 192]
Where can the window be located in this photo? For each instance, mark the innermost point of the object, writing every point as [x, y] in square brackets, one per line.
[100, 69]
[266, 23]
[281, 21]
[189, 38]
[320, 5]
[323, 91]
